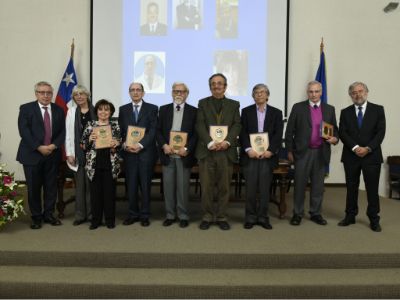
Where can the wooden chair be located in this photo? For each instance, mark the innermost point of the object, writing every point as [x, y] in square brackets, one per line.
[394, 175]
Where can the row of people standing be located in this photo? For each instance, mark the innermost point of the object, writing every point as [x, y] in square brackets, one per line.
[309, 152]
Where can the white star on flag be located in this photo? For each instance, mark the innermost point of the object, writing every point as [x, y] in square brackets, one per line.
[68, 78]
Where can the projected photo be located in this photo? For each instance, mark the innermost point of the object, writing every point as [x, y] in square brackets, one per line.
[233, 64]
[154, 17]
[149, 71]
[226, 24]
[187, 14]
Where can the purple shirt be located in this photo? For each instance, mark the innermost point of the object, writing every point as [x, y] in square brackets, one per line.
[261, 118]
[316, 119]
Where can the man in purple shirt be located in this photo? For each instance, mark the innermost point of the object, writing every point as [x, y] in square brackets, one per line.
[309, 151]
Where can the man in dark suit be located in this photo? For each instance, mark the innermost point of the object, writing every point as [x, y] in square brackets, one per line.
[309, 151]
[177, 163]
[153, 26]
[216, 158]
[362, 129]
[187, 15]
[140, 158]
[41, 125]
[258, 166]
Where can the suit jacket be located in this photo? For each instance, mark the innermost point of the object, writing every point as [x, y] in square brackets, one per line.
[298, 129]
[31, 130]
[206, 116]
[148, 119]
[370, 134]
[187, 16]
[273, 124]
[165, 119]
[161, 29]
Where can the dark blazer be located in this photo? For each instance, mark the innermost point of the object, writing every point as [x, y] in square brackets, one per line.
[273, 124]
[147, 119]
[31, 130]
[298, 129]
[371, 133]
[160, 30]
[165, 119]
[206, 116]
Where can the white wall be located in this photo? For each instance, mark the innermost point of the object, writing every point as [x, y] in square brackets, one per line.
[362, 43]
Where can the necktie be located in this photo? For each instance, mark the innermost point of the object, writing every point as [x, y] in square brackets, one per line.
[315, 106]
[178, 107]
[136, 112]
[47, 126]
[359, 116]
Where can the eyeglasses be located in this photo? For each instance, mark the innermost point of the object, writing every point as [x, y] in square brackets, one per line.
[179, 91]
[44, 93]
[135, 90]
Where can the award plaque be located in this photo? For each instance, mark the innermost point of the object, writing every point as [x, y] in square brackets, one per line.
[104, 136]
[134, 135]
[326, 130]
[218, 133]
[259, 142]
[177, 140]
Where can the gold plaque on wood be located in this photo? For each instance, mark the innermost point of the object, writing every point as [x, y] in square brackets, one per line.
[326, 130]
[177, 140]
[104, 136]
[218, 133]
[259, 142]
[134, 135]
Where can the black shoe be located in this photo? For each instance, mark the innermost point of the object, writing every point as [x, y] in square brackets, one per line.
[319, 220]
[204, 225]
[110, 226]
[52, 221]
[183, 223]
[168, 222]
[130, 220]
[93, 227]
[347, 221]
[145, 222]
[266, 225]
[248, 225]
[78, 222]
[296, 220]
[224, 225]
[375, 227]
[36, 224]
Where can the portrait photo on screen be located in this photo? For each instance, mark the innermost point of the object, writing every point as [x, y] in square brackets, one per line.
[187, 14]
[227, 19]
[153, 17]
[149, 70]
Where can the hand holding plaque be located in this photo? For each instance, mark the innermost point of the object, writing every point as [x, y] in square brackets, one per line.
[103, 136]
[177, 140]
[326, 130]
[218, 133]
[134, 135]
[259, 142]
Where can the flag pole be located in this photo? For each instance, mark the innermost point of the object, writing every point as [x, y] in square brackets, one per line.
[72, 49]
[321, 46]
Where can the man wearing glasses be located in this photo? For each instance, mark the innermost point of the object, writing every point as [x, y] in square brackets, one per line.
[217, 150]
[41, 125]
[177, 155]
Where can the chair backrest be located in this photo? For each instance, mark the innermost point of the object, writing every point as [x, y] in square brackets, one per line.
[394, 166]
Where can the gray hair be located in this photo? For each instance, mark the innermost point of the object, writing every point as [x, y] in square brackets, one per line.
[314, 82]
[180, 83]
[260, 86]
[81, 90]
[354, 84]
[42, 83]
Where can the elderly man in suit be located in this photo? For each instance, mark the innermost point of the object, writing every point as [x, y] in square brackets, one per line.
[362, 130]
[41, 126]
[140, 158]
[258, 166]
[216, 158]
[309, 151]
[153, 26]
[178, 116]
[188, 16]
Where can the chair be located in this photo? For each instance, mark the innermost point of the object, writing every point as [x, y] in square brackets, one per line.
[394, 175]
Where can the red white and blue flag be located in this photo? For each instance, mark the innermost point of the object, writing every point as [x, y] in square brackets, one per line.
[69, 80]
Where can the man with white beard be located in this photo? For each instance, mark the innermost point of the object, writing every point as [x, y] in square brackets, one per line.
[178, 116]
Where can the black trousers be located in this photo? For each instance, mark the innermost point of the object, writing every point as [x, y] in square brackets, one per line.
[102, 195]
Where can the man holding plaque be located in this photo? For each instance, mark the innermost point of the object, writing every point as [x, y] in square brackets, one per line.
[139, 154]
[309, 151]
[176, 140]
[261, 139]
[218, 127]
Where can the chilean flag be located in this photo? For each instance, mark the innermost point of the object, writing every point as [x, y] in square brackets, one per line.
[69, 80]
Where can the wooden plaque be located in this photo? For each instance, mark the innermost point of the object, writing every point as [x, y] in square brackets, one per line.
[259, 142]
[104, 136]
[218, 133]
[134, 135]
[177, 140]
[326, 130]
